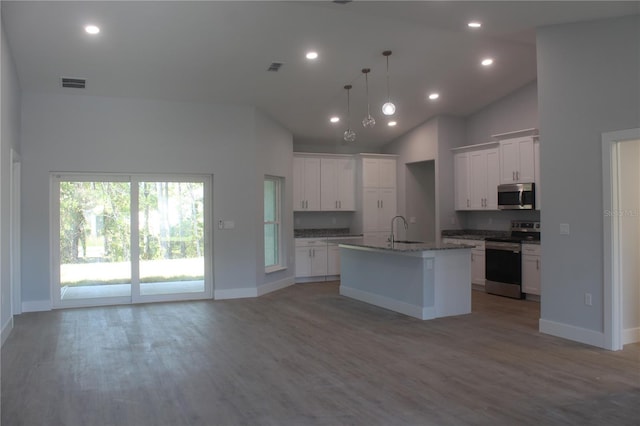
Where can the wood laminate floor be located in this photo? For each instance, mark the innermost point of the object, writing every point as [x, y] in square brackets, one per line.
[307, 356]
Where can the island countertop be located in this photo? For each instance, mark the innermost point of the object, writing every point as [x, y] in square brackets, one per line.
[399, 247]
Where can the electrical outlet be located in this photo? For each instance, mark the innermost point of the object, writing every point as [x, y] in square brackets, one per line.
[564, 229]
[587, 299]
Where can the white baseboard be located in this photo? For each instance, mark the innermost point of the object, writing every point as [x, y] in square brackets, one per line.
[387, 303]
[276, 285]
[235, 293]
[630, 335]
[36, 306]
[6, 330]
[571, 332]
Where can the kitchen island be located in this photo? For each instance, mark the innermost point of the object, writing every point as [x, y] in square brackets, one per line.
[425, 280]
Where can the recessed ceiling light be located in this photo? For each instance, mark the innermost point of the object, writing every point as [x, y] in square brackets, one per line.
[312, 55]
[434, 96]
[391, 123]
[92, 29]
[334, 119]
[486, 62]
[474, 24]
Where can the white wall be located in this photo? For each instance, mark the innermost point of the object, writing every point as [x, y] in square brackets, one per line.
[629, 190]
[588, 83]
[275, 157]
[420, 201]
[74, 133]
[10, 134]
[516, 111]
[432, 140]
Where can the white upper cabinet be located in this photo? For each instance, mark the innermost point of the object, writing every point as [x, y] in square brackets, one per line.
[461, 181]
[337, 187]
[476, 177]
[517, 160]
[378, 173]
[484, 178]
[306, 184]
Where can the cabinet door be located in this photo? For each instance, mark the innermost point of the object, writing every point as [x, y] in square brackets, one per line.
[477, 267]
[493, 179]
[387, 209]
[333, 260]
[477, 179]
[303, 261]
[461, 181]
[346, 183]
[509, 159]
[312, 183]
[530, 274]
[386, 173]
[298, 183]
[526, 170]
[329, 184]
[318, 261]
[370, 207]
[370, 174]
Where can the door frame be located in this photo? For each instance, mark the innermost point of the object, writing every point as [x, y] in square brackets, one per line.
[14, 237]
[133, 179]
[611, 228]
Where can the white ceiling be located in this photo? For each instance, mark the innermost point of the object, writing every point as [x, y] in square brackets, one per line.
[219, 52]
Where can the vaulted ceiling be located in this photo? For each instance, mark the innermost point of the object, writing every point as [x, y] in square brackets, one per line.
[220, 51]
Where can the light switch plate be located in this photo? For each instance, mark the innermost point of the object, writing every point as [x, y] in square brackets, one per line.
[564, 229]
[229, 224]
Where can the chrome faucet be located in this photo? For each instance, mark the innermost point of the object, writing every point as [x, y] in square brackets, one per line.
[406, 226]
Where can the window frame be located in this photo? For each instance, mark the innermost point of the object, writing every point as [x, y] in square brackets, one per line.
[279, 265]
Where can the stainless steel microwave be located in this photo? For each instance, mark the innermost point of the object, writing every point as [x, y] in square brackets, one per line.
[517, 196]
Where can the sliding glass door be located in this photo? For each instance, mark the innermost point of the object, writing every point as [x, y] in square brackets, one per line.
[130, 239]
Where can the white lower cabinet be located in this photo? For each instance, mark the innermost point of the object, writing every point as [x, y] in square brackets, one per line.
[316, 259]
[478, 267]
[333, 259]
[311, 257]
[531, 269]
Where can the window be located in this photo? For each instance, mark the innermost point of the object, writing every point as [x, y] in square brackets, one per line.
[272, 228]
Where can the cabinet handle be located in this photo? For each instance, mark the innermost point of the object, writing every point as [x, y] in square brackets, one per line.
[306, 204]
[336, 204]
[339, 204]
[314, 252]
[538, 264]
[302, 204]
[517, 175]
[468, 203]
[513, 175]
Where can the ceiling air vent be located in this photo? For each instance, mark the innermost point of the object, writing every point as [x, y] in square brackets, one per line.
[275, 66]
[77, 83]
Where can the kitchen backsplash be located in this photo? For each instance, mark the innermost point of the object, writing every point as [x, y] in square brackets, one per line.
[320, 220]
[496, 220]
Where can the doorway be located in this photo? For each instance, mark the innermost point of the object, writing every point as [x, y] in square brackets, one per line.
[420, 206]
[129, 239]
[621, 213]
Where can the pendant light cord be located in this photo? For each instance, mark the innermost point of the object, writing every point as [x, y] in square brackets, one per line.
[388, 92]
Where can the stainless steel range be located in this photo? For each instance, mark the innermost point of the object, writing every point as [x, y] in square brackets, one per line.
[503, 259]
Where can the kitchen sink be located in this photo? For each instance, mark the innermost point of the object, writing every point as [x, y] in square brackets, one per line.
[408, 242]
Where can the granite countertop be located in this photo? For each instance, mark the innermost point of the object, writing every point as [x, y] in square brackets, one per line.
[473, 234]
[402, 247]
[324, 233]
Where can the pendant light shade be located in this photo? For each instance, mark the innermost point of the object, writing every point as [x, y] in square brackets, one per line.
[368, 121]
[349, 135]
[388, 108]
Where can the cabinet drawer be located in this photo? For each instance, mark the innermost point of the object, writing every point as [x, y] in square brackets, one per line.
[311, 242]
[532, 249]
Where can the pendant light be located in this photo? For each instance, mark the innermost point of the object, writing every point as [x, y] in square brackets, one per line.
[368, 121]
[349, 135]
[388, 108]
